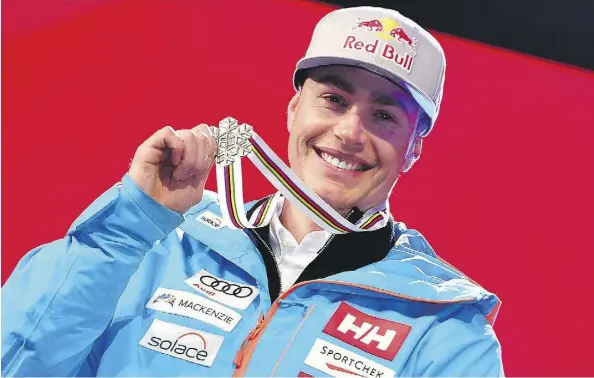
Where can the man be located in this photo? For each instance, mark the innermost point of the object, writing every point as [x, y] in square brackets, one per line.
[150, 280]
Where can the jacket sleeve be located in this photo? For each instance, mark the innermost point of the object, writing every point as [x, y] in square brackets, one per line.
[61, 296]
[461, 346]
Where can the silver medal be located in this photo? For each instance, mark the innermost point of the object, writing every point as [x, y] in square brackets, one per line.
[233, 141]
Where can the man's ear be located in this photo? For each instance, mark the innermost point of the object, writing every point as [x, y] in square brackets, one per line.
[292, 109]
[418, 148]
[414, 156]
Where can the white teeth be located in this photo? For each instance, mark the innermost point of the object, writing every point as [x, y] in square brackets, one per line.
[339, 163]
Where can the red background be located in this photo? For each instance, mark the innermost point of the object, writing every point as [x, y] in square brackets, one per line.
[503, 190]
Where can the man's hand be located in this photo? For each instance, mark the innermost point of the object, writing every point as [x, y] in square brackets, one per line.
[172, 166]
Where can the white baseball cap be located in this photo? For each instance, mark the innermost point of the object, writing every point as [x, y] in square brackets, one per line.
[386, 43]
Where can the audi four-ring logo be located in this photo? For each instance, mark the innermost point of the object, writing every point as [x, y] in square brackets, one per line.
[235, 290]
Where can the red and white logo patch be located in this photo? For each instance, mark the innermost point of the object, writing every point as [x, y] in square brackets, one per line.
[339, 362]
[380, 337]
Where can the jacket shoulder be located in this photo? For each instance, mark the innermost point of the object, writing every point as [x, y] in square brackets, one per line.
[210, 201]
[412, 239]
[412, 243]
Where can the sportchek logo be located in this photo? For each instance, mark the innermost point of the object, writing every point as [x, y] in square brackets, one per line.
[339, 362]
[181, 342]
[380, 337]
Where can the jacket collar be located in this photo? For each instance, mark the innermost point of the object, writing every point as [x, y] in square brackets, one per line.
[341, 253]
[394, 259]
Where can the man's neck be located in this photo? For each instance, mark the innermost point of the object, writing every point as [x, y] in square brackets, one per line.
[296, 222]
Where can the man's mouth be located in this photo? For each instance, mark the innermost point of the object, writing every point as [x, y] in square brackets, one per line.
[341, 161]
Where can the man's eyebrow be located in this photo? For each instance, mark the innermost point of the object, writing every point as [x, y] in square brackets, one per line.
[383, 99]
[336, 81]
[396, 99]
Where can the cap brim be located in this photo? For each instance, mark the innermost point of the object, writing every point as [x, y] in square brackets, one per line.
[417, 94]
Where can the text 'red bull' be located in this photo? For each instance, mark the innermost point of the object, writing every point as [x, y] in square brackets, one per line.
[387, 51]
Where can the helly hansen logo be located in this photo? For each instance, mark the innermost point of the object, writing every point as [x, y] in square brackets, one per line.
[380, 337]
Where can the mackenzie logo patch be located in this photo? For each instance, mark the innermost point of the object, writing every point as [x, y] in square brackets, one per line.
[181, 342]
[339, 362]
[165, 298]
[235, 294]
[380, 337]
[193, 306]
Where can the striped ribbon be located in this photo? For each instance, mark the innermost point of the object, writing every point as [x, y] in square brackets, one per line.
[236, 141]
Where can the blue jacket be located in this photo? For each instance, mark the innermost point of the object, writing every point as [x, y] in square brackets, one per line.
[135, 289]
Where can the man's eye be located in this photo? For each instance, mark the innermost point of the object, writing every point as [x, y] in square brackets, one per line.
[336, 100]
[385, 116]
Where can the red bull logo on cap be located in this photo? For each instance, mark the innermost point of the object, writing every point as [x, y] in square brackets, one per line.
[386, 30]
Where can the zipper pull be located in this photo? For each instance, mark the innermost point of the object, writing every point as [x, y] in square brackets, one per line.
[251, 336]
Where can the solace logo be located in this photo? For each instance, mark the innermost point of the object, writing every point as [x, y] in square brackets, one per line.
[380, 337]
[182, 342]
[189, 347]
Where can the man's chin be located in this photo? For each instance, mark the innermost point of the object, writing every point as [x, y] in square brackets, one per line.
[335, 199]
[334, 194]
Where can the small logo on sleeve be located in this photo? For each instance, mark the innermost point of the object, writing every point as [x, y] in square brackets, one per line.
[380, 337]
[211, 220]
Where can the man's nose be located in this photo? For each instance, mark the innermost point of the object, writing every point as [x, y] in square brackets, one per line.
[351, 129]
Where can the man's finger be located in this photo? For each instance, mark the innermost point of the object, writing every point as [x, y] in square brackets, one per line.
[189, 155]
[207, 147]
[174, 143]
[155, 149]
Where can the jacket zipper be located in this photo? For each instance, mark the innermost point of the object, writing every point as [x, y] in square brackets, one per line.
[244, 355]
[325, 246]
[256, 332]
[290, 343]
[278, 273]
[238, 360]
[330, 239]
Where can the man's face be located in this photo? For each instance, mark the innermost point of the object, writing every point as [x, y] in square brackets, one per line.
[349, 133]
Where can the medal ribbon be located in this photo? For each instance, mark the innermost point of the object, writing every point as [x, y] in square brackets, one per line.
[235, 141]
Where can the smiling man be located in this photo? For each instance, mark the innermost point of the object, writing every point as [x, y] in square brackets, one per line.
[151, 280]
[350, 134]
